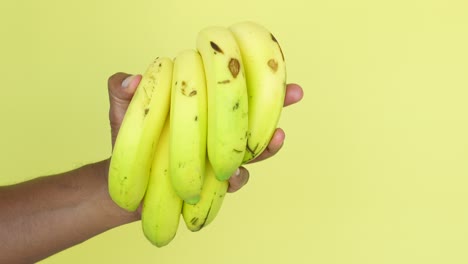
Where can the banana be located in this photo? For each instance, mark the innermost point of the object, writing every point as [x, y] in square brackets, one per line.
[134, 147]
[192, 122]
[161, 205]
[188, 126]
[204, 212]
[227, 100]
[265, 72]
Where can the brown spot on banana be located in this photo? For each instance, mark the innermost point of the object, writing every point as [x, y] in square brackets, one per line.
[276, 41]
[234, 67]
[236, 106]
[224, 82]
[273, 64]
[184, 92]
[183, 89]
[252, 151]
[207, 215]
[216, 47]
[273, 38]
[237, 151]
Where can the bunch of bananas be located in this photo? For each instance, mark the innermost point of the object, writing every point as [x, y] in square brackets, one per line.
[192, 122]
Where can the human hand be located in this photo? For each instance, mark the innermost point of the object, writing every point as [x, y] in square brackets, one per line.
[122, 86]
[294, 94]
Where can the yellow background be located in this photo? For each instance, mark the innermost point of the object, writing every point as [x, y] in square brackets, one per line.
[375, 165]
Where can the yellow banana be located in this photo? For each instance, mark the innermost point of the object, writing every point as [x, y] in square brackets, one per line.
[161, 206]
[192, 122]
[227, 100]
[188, 126]
[204, 212]
[134, 147]
[265, 72]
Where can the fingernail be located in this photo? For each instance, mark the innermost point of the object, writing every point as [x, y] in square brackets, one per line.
[127, 81]
[237, 173]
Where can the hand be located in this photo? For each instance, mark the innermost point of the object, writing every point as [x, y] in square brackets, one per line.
[122, 86]
[294, 94]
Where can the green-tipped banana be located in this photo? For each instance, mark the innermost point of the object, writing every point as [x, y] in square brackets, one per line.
[204, 212]
[188, 126]
[265, 72]
[134, 148]
[227, 100]
[161, 206]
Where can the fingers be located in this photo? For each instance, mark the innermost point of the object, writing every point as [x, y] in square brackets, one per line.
[239, 179]
[273, 147]
[294, 94]
[121, 87]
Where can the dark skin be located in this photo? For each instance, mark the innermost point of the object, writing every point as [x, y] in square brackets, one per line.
[48, 214]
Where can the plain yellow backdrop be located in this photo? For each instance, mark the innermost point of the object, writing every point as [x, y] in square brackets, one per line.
[375, 165]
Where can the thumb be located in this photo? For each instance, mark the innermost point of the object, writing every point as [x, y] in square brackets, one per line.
[121, 87]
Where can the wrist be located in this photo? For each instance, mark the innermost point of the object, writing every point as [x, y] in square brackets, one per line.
[111, 210]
